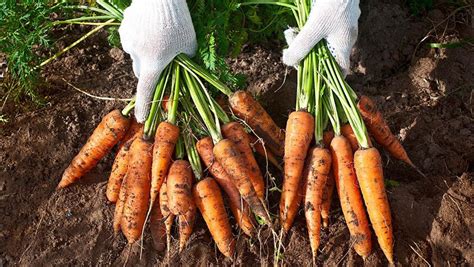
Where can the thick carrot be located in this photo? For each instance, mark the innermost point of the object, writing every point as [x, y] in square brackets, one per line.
[299, 133]
[258, 146]
[138, 189]
[347, 132]
[349, 195]
[246, 108]
[179, 184]
[107, 134]
[119, 168]
[238, 207]
[166, 138]
[208, 199]
[186, 223]
[119, 206]
[320, 167]
[165, 211]
[235, 132]
[235, 164]
[368, 166]
[378, 128]
[157, 228]
[330, 183]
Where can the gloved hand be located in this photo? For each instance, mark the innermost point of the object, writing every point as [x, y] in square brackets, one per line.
[333, 20]
[153, 32]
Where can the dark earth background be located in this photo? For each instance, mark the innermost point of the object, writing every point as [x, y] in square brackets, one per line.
[425, 94]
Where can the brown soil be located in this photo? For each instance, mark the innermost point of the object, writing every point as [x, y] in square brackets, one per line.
[426, 95]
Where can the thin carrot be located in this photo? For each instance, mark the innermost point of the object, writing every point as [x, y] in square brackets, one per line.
[299, 133]
[238, 207]
[208, 199]
[347, 132]
[186, 223]
[166, 138]
[179, 184]
[138, 189]
[368, 166]
[320, 167]
[120, 165]
[119, 206]
[132, 131]
[235, 164]
[330, 183]
[378, 128]
[165, 211]
[235, 132]
[157, 228]
[246, 108]
[259, 147]
[349, 195]
[107, 134]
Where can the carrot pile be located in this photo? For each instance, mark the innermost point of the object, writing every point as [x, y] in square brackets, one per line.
[157, 177]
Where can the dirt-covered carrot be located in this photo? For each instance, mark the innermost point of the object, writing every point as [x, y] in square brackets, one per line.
[368, 166]
[238, 207]
[320, 167]
[208, 199]
[108, 133]
[157, 228]
[246, 108]
[235, 164]
[330, 184]
[347, 132]
[120, 165]
[186, 224]
[378, 128]
[133, 129]
[166, 138]
[258, 146]
[235, 132]
[349, 195]
[138, 189]
[179, 184]
[168, 217]
[119, 206]
[299, 133]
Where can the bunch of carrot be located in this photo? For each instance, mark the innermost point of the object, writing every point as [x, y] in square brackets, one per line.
[152, 181]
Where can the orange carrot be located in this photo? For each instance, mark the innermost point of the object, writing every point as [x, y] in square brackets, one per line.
[166, 138]
[246, 108]
[239, 208]
[368, 166]
[138, 189]
[235, 164]
[107, 134]
[134, 128]
[157, 227]
[165, 211]
[330, 183]
[119, 168]
[347, 132]
[299, 133]
[119, 206]
[235, 132]
[186, 223]
[349, 195]
[208, 199]
[258, 146]
[179, 184]
[320, 167]
[378, 128]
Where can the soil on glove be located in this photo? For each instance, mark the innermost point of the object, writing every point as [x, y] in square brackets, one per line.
[425, 94]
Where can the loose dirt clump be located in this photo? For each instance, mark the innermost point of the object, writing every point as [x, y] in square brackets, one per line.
[425, 94]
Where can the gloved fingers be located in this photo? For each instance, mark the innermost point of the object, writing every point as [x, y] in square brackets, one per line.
[135, 65]
[145, 89]
[290, 35]
[340, 44]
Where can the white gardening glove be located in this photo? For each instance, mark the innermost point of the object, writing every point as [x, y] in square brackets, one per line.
[153, 32]
[333, 20]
